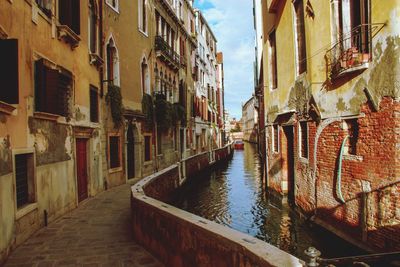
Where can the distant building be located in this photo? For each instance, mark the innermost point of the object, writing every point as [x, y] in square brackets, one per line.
[249, 121]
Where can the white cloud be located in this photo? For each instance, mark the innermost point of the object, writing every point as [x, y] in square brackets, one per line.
[232, 23]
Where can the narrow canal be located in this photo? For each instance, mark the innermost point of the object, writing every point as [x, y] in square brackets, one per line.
[232, 195]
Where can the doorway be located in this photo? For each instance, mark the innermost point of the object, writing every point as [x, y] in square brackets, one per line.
[289, 162]
[130, 152]
[81, 169]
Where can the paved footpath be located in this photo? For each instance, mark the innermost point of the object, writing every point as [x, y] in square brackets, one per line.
[97, 233]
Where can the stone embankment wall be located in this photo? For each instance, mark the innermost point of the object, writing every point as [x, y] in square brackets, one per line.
[179, 238]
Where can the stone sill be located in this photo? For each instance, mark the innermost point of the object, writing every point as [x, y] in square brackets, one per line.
[96, 60]
[26, 210]
[7, 108]
[66, 34]
[115, 170]
[303, 160]
[350, 157]
[45, 116]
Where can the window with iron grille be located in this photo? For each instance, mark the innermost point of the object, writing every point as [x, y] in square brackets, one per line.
[147, 148]
[53, 89]
[115, 151]
[9, 71]
[69, 14]
[94, 104]
[303, 139]
[24, 183]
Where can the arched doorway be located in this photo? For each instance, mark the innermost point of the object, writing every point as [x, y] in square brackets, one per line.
[130, 152]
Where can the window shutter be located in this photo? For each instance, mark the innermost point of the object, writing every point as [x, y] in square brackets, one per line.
[40, 86]
[9, 82]
[51, 91]
[76, 16]
[65, 12]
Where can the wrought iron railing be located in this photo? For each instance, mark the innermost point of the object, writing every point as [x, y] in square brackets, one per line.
[381, 259]
[166, 50]
[353, 50]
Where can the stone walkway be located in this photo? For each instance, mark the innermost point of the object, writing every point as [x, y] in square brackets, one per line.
[97, 233]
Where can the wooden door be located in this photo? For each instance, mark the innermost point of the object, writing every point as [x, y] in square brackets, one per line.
[81, 169]
[131, 153]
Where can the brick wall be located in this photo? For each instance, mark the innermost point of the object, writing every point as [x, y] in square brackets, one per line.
[370, 179]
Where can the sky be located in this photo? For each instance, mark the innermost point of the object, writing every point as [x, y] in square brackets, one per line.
[232, 24]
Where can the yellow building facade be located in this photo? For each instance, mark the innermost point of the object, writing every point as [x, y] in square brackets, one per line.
[49, 97]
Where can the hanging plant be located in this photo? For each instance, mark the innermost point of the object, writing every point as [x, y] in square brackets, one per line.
[114, 100]
[164, 113]
[148, 110]
[179, 114]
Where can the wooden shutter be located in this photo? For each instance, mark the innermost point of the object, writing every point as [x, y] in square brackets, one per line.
[9, 83]
[51, 95]
[65, 12]
[40, 84]
[76, 16]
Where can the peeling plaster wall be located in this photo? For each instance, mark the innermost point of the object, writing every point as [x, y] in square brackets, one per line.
[52, 141]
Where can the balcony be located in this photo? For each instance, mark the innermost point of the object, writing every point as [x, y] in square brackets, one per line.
[165, 52]
[353, 51]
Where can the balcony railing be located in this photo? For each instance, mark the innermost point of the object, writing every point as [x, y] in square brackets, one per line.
[167, 53]
[353, 51]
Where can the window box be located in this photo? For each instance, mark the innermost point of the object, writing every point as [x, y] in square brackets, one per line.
[96, 60]
[68, 36]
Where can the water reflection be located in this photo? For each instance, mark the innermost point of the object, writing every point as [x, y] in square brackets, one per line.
[233, 196]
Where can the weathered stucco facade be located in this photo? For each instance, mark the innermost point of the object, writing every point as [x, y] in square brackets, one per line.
[41, 131]
[331, 86]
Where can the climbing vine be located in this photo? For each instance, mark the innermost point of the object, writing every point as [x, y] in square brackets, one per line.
[179, 114]
[114, 100]
[148, 110]
[164, 113]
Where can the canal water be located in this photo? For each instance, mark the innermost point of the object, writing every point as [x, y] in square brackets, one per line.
[232, 195]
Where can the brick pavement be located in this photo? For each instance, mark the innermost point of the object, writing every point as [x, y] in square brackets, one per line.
[97, 233]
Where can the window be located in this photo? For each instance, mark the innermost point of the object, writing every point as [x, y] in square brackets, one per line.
[273, 60]
[275, 138]
[303, 138]
[45, 6]
[159, 141]
[300, 38]
[353, 24]
[93, 27]
[24, 179]
[9, 71]
[142, 16]
[113, 3]
[94, 104]
[112, 63]
[53, 89]
[352, 128]
[145, 77]
[147, 148]
[115, 151]
[69, 14]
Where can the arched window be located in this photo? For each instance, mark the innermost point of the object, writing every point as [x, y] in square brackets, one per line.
[142, 16]
[145, 77]
[112, 63]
